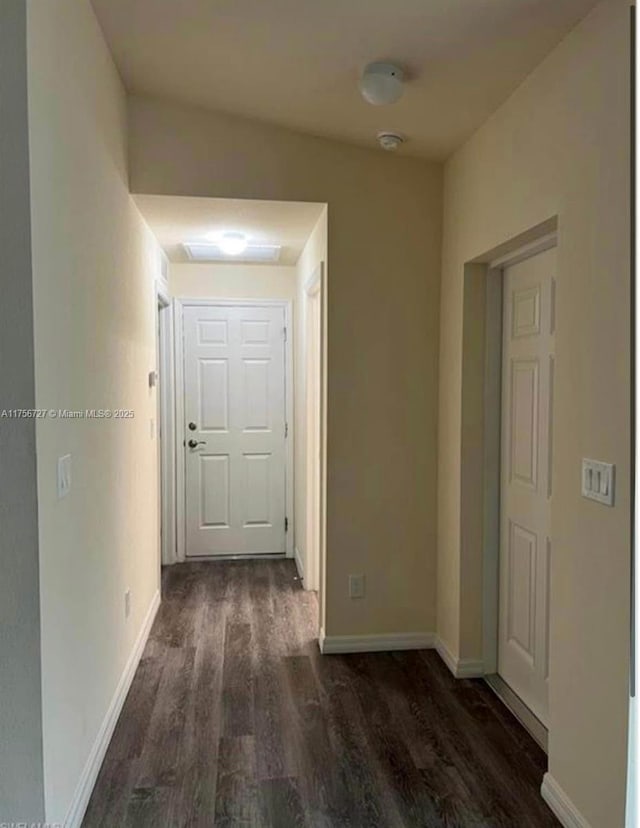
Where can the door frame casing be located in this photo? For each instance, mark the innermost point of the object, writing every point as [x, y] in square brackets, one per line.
[314, 292]
[165, 427]
[179, 304]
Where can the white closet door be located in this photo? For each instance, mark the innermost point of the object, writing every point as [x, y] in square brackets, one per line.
[526, 482]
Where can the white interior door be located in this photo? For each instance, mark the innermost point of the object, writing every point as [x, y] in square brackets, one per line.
[526, 484]
[234, 405]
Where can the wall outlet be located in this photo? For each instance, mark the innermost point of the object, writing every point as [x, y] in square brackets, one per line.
[64, 476]
[127, 603]
[356, 586]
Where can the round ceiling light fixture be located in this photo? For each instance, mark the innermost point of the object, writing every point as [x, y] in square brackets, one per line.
[233, 244]
[390, 141]
[381, 83]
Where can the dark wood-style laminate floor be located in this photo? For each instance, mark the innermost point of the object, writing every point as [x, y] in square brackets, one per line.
[235, 719]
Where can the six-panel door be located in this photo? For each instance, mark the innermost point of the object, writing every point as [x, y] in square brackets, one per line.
[234, 377]
[526, 484]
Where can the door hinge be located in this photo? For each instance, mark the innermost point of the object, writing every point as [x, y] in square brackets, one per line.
[284, 331]
[286, 429]
[286, 524]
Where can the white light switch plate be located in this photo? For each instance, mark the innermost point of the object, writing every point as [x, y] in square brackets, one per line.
[64, 475]
[598, 481]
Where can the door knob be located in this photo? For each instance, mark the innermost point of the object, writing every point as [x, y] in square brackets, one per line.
[192, 426]
[196, 443]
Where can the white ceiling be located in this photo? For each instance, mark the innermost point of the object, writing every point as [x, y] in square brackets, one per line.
[176, 219]
[297, 62]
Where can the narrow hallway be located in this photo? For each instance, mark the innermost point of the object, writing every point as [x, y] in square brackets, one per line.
[234, 718]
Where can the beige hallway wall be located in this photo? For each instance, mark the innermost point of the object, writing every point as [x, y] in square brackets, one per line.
[384, 258]
[232, 281]
[558, 146]
[94, 261]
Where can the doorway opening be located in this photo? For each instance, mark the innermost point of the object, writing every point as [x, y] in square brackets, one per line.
[507, 450]
[247, 370]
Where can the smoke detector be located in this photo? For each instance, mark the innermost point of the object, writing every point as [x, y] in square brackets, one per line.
[390, 141]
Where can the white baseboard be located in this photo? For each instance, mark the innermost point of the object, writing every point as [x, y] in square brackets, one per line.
[561, 805]
[375, 643]
[388, 642]
[299, 565]
[89, 775]
[460, 667]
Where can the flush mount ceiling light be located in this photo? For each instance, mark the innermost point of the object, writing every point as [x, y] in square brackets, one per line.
[233, 244]
[381, 83]
[208, 252]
